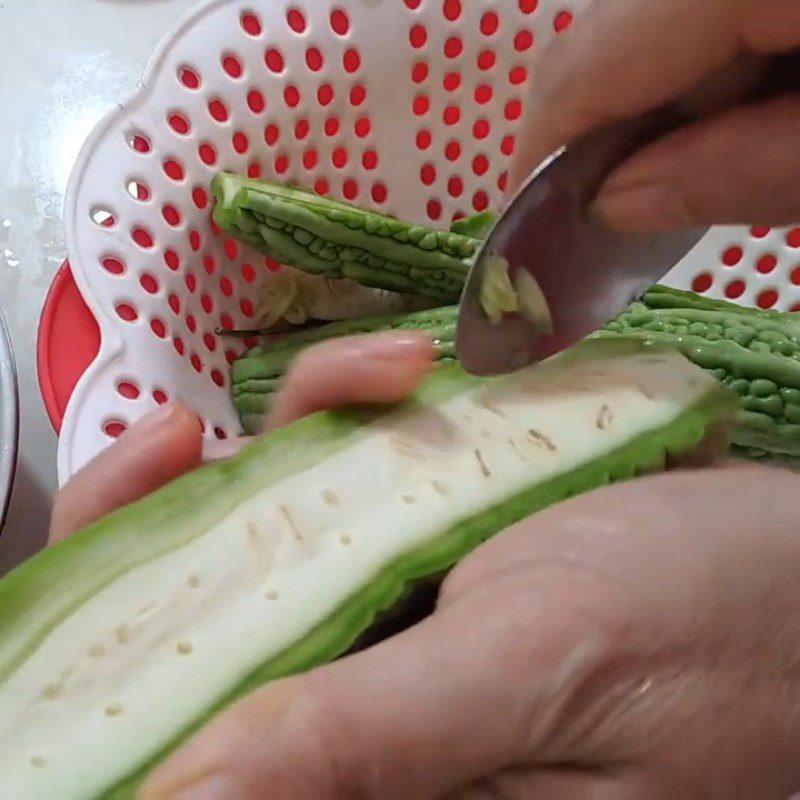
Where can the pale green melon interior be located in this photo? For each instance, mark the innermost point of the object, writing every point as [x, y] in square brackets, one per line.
[125, 671]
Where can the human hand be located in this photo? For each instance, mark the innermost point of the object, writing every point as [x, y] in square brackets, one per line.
[623, 57]
[638, 641]
[379, 368]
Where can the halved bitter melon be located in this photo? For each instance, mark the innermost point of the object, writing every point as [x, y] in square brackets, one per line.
[117, 643]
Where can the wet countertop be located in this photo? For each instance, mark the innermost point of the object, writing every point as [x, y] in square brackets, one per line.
[63, 64]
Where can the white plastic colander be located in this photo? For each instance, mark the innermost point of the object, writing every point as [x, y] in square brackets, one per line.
[410, 106]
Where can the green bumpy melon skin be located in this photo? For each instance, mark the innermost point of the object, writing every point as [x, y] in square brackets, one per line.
[55, 583]
[258, 373]
[754, 352]
[326, 237]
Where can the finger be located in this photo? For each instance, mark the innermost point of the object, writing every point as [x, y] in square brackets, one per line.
[378, 724]
[376, 368]
[160, 447]
[623, 57]
[373, 368]
[743, 167]
[215, 450]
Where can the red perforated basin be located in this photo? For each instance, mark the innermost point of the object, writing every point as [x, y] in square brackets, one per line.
[67, 343]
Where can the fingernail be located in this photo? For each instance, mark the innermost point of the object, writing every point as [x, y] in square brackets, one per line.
[646, 207]
[154, 421]
[208, 787]
[393, 345]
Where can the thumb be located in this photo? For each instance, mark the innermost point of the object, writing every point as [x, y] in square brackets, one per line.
[417, 716]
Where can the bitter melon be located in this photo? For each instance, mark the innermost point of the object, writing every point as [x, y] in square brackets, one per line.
[118, 642]
[257, 374]
[339, 240]
[754, 352]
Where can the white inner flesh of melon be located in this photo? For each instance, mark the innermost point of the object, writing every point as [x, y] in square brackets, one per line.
[119, 678]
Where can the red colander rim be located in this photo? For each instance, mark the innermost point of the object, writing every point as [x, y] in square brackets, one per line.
[68, 341]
